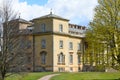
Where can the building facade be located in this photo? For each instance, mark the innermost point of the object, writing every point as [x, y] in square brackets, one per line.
[59, 46]
[56, 45]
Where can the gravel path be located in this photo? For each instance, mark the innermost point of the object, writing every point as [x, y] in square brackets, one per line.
[48, 77]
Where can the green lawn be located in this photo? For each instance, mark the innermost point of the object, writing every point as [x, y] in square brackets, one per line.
[88, 76]
[68, 76]
[28, 76]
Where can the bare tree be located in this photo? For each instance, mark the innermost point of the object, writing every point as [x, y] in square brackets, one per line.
[12, 57]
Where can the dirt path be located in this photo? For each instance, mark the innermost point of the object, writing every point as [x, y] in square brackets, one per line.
[48, 77]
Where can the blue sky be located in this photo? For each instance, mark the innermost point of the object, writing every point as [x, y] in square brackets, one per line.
[38, 2]
[78, 12]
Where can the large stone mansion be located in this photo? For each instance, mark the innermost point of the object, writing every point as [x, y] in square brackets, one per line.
[54, 44]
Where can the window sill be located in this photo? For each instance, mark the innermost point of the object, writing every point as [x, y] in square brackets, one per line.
[43, 63]
[61, 63]
[43, 48]
[79, 63]
[71, 63]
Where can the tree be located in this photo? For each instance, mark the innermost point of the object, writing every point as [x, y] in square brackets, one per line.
[12, 56]
[103, 35]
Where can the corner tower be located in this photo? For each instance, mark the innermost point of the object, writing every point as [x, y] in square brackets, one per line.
[45, 30]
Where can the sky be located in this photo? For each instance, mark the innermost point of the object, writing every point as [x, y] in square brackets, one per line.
[38, 2]
[79, 12]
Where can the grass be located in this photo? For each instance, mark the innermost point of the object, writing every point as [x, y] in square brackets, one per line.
[87, 76]
[68, 76]
[28, 76]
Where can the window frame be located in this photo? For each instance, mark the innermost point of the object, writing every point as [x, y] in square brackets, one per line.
[43, 27]
[60, 28]
[61, 59]
[29, 44]
[43, 57]
[70, 45]
[71, 69]
[79, 46]
[71, 58]
[61, 44]
[43, 44]
[61, 69]
[79, 59]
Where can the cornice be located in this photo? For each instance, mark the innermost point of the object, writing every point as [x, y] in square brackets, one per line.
[56, 33]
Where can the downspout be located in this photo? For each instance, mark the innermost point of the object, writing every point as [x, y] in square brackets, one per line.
[33, 53]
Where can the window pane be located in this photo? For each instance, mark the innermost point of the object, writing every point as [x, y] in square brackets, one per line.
[61, 58]
[29, 44]
[43, 58]
[61, 44]
[43, 28]
[61, 69]
[71, 58]
[71, 69]
[79, 59]
[79, 46]
[70, 45]
[61, 28]
[43, 44]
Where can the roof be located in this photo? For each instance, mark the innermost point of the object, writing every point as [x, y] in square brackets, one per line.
[52, 16]
[22, 20]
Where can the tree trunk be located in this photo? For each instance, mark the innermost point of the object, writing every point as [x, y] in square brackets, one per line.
[2, 76]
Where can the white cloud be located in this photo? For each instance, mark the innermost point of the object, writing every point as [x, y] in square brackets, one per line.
[78, 11]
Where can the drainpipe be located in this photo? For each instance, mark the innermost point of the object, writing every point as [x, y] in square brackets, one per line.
[33, 53]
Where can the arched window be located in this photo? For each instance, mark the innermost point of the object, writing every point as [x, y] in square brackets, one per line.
[43, 57]
[61, 58]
